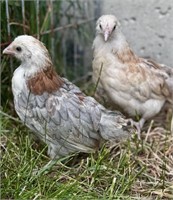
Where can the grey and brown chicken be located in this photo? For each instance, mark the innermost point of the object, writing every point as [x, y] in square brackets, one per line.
[56, 110]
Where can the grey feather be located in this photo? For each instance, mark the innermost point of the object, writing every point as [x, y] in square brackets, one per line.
[68, 121]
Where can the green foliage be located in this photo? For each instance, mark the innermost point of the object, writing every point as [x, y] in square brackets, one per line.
[66, 46]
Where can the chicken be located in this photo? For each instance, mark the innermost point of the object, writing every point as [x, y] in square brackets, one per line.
[56, 110]
[138, 86]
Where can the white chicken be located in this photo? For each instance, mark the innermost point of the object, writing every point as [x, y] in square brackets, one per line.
[137, 85]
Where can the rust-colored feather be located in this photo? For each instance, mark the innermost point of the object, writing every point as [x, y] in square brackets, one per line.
[45, 81]
[127, 56]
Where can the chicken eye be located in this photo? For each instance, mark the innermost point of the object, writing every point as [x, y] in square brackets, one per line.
[18, 49]
[114, 27]
[100, 26]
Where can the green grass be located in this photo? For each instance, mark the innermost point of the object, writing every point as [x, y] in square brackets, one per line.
[128, 170]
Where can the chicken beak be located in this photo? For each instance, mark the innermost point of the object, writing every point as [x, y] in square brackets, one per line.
[9, 50]
[106, 35]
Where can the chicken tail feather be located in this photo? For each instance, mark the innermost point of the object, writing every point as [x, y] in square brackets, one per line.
[113, 125]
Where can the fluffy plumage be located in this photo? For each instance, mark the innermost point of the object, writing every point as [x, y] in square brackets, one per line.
[137, 85]
[54, 108]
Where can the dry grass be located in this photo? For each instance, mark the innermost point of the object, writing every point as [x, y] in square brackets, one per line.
[156, 154]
